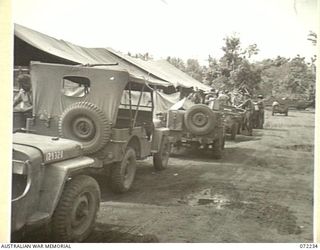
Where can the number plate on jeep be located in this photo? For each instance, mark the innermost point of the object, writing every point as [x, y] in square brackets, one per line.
[56, 155]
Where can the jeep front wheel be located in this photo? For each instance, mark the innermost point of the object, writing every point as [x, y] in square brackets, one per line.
[161, 158]
[123, 173]
[75, 214]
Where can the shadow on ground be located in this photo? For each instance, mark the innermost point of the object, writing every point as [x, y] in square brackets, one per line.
[114, 234]
[102, 233]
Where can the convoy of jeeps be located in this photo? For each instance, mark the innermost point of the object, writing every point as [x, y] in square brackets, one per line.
[97, 121]
[79, 130]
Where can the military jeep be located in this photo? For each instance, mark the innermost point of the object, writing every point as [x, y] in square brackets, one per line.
[280, 107]
[197, 126]
[87, 122]
[107, 110]
[52, 188]
[233, 120]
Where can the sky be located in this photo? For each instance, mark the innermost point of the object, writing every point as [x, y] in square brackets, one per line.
[177, 28]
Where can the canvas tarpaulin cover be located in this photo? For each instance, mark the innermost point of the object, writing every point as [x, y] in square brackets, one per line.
[163, 102]
[49, 101]
[163, 70]
[158, 72]
[73, 54]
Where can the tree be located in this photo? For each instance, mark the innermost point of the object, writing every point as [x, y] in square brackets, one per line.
[252, 50]
[177, 62]
[235, 66]
[143, 56]
[194, 69]
[211, 72]
[293, 78]
[300, 77]
[232, 54]
[247, 76]
[312, 36]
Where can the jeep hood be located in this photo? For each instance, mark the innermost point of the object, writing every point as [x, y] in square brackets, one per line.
[53, 149]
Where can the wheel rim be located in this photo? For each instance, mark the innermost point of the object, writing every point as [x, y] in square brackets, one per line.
[199, 119]
[83, 128]
[82, 213]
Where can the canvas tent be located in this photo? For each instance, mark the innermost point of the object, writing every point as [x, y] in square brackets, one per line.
[163, 70]
[30, 45]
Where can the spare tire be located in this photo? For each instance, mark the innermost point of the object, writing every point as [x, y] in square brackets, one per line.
[200, 119]
[86, 123]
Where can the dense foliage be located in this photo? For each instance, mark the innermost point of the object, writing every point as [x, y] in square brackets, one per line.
[279, 77]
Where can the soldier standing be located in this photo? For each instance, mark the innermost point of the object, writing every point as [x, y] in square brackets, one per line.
[248, 106]
[261, 111]
[23, 101]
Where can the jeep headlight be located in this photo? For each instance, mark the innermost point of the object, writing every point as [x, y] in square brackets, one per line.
[20, 179]
[19, 167]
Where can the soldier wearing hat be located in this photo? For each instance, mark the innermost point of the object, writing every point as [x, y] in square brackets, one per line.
[261, 111]
[23, 101]
[248, 106]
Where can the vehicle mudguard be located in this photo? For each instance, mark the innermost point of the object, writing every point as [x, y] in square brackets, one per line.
[157, 138]
[55, 177]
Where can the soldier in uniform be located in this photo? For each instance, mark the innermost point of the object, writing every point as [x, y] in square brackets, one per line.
[224, 98]
[23, 101]
[261, 111]
[195, 96]
[248, 106]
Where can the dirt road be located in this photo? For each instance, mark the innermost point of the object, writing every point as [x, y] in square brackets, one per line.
[261, 191]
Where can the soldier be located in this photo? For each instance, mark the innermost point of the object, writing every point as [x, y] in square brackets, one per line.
[211, 99]
[236, 99]
[224, 98]
[261, 111]
[248, 106]
[209, 95]
[195, 96]
[247, 103]
[23, 101]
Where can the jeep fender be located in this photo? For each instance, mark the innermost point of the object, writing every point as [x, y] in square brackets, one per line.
[55, 177]
[116, 149]
[134, 143]
[157, 138]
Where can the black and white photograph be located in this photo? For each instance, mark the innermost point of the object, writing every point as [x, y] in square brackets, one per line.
[163, 121]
